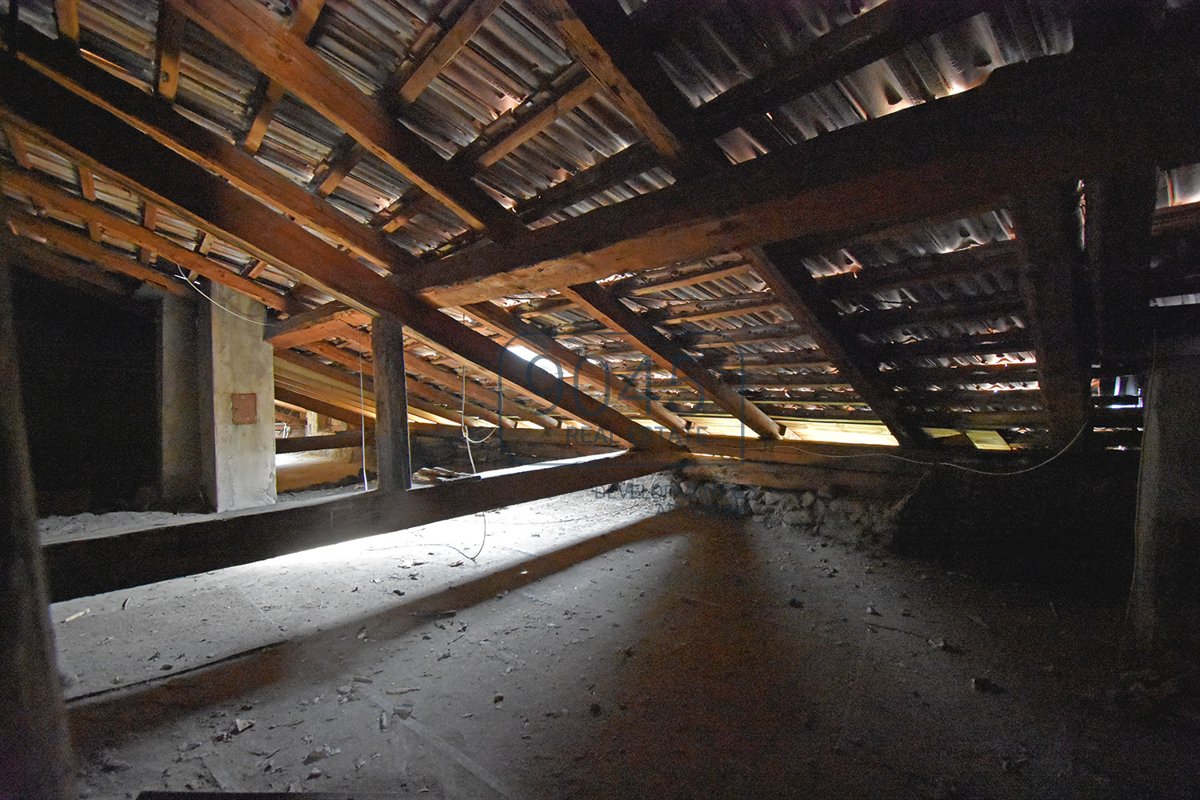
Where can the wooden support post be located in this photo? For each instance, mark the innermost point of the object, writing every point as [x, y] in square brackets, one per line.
[391, 405]
[1164, 602]
[35, 758]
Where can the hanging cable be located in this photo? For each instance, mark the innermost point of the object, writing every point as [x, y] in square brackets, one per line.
[200, 291]
[462, 421]
[362, 424]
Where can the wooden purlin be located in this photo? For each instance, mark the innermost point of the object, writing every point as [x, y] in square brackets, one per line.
[94, 137]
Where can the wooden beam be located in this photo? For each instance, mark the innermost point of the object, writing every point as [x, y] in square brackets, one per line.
[1048, 229]
[87, 188]
[391, 406]
[342, 159]
[1004, 256]
[574, 94]
[17, 145]
[202, 146]
[297, 398]
[643, 284]
[61, 269]
[254, 32]
[85, 566]
[66, 16]
[888, 319]
[600, 36]
[635, 159]
[268, 94]
[308, 444]
[1120, 212]
[783, 271]
[700, 310]
[442, 51]
[612, 312]
[150, 223]
[93, 137]
[310, 326]
[486, 398]
[80, 246]
[172, 26]
[121, 228]
[1050, 119]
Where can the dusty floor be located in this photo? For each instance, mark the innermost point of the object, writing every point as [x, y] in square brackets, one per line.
[598, 649]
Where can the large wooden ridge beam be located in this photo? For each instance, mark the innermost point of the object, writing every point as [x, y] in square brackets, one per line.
[780, 267]
[1051, 119]
[254, 33]
[101, 142]
[612, 312]
[1047, 227]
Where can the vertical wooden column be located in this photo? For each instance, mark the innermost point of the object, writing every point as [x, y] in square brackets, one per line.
[34, 751]
[1164, 602]
[391, 405]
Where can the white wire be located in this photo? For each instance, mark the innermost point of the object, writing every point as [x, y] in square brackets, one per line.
[462, 421]
[949, 464]
[188, 281]
[362, 424]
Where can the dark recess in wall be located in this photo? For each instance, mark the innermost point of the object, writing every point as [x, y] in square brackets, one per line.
[89, 388]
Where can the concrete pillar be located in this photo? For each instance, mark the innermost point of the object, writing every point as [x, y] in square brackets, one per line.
[35, 758]
[239, 403]
[391, 406]
[1164, 603]
[181, 478]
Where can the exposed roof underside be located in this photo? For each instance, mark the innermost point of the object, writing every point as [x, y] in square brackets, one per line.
[702, 200]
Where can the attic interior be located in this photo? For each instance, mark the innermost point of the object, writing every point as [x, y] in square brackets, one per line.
[599, 398]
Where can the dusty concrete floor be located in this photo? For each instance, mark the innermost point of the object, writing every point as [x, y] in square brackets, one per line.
[598, 649]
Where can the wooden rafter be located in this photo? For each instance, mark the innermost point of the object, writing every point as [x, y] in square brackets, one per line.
[935, 267]
[87, 188]
[59, 268]
[662, 351]
[781, 268]
[571, 96]
[1048, 230]
[256, 34]
[92, 214]
[442, 49]
[1045, 120]
[75, 128]
[66, 16]
[616, 169]
[197, 143]
[172, 26]
[269, 93]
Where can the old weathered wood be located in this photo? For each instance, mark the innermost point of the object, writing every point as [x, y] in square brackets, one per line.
[443, 50]
[163, 176]
[268, 94]
[391, 406]
[923, 270]
[1050, 119]
[1052, 285]
[781, 268]
[92, 565]
[201, 146]
[172, 26]
[609, 309]
[618, 168]
[573, 95]
[307, 444]
[34, 747]
[255, 33]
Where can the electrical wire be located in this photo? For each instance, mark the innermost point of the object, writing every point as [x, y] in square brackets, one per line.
[462, 421]
[362, 424]
[200, 291]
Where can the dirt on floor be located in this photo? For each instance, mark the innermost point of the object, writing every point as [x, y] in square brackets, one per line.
[596, 647]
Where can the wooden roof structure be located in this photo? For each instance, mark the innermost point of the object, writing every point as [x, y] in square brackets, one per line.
[889, 222]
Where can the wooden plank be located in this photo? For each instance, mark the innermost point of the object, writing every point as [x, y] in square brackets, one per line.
[150, 223]
[87, 188]
[91, 136]
[782, 270]
[701, 310]
[987, 307]
[923, 270]
[268, 94]
[81, 246]
[310, 326]
[1052, 283]
[66, 17]
[172, 26]
[1049, 119]
[308, 444]
[296, 398]
[128, 230]
[617, 168]
[342, 159]
[609, 309]
[85, 566]
[442, 52]
[1120, 212]
[254, 32]
[16, 144]
[640, 285]
[572, 96]
[391, 406]
[60, 269]
[204, 147]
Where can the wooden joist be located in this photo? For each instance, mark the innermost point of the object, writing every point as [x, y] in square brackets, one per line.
[269, 93]
[172, 27]
[782, 269]
[66, 17]
[444, 48]
[573, 94]
[61, 269]
[255, 33]
[923, 270]
[611, 311]
[616, 169]
[1048, 229]
[300, 399]
[1050, 119]
[988, 307]
[92, 214]
[311, 326]
[200, 145]
[99, 140]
